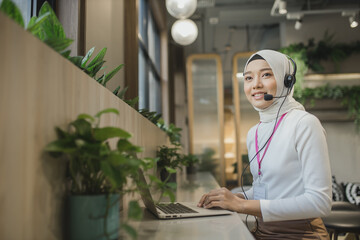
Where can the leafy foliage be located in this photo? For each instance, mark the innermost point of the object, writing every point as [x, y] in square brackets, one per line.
[349, 96]
[190, 160]
[9, 8]
[207, 161]
[313, 53]
[172, 131]
[50, 30]
[169, 157]
[153, 117]
[94, 167]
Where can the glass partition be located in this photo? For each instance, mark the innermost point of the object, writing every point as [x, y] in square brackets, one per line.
[245, 116]
[206, 112]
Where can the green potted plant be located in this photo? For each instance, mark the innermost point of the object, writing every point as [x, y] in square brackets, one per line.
[97, 175]
[190, 161]
[207, 161]
[169, 159]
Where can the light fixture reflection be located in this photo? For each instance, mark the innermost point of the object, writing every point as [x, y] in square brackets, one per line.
[181, 9]
[184, 32]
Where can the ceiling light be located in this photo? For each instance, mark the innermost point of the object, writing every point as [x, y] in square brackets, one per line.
[181, 9]
[184, 32]
[298, 24]
[353, 22]
[282, 7]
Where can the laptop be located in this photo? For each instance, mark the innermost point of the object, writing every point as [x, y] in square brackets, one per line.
[177, 209]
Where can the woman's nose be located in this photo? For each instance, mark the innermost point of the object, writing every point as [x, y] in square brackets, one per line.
[257, 82]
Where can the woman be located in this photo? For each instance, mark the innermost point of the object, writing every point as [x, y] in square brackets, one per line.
[288, 157]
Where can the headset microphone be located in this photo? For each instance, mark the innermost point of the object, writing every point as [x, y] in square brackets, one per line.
[269, 97]
[289, 81]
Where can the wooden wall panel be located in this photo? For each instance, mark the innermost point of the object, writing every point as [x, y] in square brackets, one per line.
[38, 91]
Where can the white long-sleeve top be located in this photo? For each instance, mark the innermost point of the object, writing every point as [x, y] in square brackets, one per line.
[295, 169]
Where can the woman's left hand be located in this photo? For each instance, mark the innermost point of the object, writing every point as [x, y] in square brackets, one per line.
[222, 198]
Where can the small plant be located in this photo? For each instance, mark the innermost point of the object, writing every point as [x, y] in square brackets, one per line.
[172, 131]
[169, 157]
[207, 161]
[93, 166]
[190, 160]
[349, 97]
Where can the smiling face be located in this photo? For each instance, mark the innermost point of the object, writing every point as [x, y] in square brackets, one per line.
[259, 79]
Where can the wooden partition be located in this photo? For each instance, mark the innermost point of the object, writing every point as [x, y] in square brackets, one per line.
[39, 90]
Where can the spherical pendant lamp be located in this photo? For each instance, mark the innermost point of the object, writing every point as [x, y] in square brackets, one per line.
[184, 32]
[181, 9]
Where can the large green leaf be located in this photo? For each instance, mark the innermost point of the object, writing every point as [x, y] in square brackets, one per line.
[130, 230]
[76, 60]
[83, 128]
[116, 178]
[116, 91]
[98, 58]
[58, 44]
[10, 9]
[116, 159]
[170, 170]
[108, 76]
[86, 116]
[105, 133]
[135, 211]
[94, 69]
[108, 172]
[61, 133]
[52, 25]
[121, 94]
[87, 57]
[35, 23]
[124, 145]
[61, 146]
[108, 110]
[170, 194]
[154, 179]
[66, 54]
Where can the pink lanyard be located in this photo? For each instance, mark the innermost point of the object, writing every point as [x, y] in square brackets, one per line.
[267, 145]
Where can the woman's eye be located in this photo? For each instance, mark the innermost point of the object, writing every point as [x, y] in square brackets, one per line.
[247, 78]
[267, 75]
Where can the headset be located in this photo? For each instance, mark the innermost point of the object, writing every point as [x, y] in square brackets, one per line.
[290, 79]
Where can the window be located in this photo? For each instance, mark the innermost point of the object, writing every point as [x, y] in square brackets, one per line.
[149, 60]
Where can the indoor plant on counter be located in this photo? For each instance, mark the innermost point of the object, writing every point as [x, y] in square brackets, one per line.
[97, 176]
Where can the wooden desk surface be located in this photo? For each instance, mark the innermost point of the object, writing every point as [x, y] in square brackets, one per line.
[190, 189]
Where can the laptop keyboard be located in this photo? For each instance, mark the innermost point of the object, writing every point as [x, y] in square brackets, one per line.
[175, 208]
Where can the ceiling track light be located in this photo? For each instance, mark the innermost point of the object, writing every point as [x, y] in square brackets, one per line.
[353, 22]
[282, 7]
[353, 17]
[298, 24]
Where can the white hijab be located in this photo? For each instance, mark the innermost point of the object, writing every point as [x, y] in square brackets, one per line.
[280, 65]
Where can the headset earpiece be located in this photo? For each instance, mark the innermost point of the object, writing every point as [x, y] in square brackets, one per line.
[290, 79]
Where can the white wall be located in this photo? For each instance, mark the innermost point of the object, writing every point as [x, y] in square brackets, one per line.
[344, 151]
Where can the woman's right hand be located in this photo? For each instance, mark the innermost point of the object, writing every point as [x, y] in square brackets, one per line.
[222, 198]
